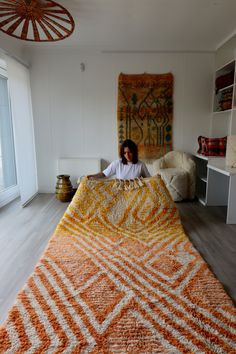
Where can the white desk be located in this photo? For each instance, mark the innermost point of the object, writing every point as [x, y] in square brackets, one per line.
[221, 187]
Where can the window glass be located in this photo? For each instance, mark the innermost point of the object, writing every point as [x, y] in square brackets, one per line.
[7, 154]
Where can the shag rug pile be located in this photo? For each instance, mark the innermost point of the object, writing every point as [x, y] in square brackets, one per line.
[120, 276]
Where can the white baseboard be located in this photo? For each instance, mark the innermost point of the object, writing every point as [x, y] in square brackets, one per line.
[29, 200]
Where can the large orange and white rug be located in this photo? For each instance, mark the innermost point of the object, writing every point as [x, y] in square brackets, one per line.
[120, 276]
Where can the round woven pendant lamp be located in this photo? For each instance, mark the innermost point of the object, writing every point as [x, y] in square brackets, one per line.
[35, 20]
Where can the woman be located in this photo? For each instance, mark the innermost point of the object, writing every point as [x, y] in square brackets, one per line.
[128, 166]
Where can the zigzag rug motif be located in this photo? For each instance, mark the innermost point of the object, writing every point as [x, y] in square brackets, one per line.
[119, 275]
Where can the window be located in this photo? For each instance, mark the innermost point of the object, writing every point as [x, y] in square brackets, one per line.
[7, 154]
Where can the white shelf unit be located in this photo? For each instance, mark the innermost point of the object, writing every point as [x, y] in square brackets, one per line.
[224, 107]
[202, 177]
[216, 184]
[201, 181]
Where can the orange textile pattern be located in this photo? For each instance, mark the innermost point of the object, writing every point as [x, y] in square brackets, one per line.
[120, 276]
[145, 112]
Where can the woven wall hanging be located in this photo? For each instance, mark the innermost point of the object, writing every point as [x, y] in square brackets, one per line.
[145, 112]
[35, 20]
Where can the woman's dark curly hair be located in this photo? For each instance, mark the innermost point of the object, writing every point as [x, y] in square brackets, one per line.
[132, 147]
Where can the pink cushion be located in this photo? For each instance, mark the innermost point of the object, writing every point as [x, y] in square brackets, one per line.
[212, 146]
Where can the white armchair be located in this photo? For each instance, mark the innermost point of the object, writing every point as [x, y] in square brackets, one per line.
[178, 171]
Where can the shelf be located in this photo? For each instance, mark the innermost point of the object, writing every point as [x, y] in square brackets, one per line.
[223, 121]
[225, 110]
[202, 157]
[225, 76]
[223, 100]
[225, 68]
[203, 179]
[202, 200]
[220, 166]
[216, 182]
[224, 88]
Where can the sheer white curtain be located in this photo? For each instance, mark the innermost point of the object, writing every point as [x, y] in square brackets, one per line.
[21, 107]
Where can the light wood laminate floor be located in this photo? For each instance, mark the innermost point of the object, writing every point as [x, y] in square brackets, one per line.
[214, 240]
[24, 233]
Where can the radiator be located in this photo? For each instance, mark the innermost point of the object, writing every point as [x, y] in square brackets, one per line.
[78, 167]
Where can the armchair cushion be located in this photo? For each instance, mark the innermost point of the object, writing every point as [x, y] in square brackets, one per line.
[178, 171]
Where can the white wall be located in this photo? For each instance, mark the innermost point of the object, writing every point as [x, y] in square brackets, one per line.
[75, 112]
[11, 46]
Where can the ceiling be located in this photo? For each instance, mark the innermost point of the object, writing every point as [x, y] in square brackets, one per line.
[149, 25]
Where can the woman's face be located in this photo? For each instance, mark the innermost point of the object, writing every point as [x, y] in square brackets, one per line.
[128, 154]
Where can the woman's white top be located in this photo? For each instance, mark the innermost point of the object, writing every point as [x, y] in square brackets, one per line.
[129, 171]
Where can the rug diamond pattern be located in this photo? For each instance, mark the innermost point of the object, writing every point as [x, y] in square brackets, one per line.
[167, 265]
[102, 288]
[136, 331]
[134, 248]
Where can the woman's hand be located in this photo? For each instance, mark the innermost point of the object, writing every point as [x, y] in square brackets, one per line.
[96, 175]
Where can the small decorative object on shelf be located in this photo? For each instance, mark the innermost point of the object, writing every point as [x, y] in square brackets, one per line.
[224, 88]
[225, 100]
[224, 107]
[64, 189]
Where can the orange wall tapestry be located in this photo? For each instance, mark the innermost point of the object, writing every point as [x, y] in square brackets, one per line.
[145, 112]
